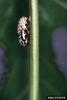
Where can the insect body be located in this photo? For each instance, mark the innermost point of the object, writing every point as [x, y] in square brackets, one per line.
[24, 31]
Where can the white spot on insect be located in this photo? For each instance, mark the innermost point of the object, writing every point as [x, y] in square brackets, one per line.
[24, 31]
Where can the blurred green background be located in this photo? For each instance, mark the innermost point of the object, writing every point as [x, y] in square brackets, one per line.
[16, 84]
[52, 14]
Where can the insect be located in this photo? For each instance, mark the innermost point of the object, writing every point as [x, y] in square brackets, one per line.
[24, 31]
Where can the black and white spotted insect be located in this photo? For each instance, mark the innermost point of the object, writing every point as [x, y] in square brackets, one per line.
[24, 31]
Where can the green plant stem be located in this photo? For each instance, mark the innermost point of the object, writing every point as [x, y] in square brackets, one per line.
[34, 53]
